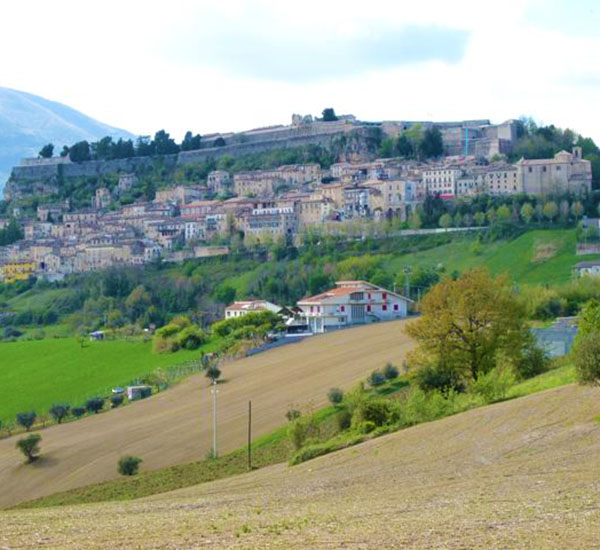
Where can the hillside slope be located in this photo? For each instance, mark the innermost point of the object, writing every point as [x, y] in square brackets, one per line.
[519, 474]
[176, 426]
[28, 122]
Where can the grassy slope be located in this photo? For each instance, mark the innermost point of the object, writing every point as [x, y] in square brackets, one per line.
[35, 374]
[515, 257]
[270, 449]
[518, 474]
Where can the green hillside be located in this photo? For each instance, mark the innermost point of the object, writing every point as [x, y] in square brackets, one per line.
[536, 257]
[35, 374]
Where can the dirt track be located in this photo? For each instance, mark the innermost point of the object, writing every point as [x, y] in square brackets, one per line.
[176, 426]
[520, 474]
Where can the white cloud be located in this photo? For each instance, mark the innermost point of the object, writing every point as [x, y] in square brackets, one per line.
[115, 61]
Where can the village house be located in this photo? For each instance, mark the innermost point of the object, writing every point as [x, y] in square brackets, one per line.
[219, 182]
[239, 309]
[352, 303]
[180, 194]
[588, 268]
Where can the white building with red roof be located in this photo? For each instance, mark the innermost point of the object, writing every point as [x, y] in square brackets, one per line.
[352, 303]
[238, 309]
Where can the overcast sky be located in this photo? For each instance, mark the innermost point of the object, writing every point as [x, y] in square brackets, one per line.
[231, 65]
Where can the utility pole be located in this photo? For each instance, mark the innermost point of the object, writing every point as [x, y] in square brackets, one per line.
[214, 392]
[249, 435]
[407, 272]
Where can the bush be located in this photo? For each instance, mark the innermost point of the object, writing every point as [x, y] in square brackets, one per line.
[191, 338]
[430, 378]
[30, 446]
[78, 412]
[301, 429]
[292, 414]
[494, 385]
[534, 361]
[116, 400]
[364, 427]
[390, 372]
[343, 419]
[95, 405]
[335, 396]
[129, 465]
[59, 411]
[375, 411]
[587, 359]
[376, 379]
[26, 419]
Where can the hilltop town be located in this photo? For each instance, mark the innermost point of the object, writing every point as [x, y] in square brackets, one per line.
[209, 216]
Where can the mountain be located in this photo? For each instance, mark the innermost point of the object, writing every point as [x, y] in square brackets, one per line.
[28, 122]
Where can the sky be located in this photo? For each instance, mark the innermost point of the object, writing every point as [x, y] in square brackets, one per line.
[232, 65]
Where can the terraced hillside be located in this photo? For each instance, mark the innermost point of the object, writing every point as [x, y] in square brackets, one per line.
[176, 426]
[519, 474]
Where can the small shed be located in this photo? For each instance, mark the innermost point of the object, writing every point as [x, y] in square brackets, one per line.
[97, 335]
[138, 392]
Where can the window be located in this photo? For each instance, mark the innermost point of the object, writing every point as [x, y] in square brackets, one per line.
[341, 319]
[384, 307]
[369, 295]
[368, 307]
[384, 295]
[395, 307]
[342, 308]
[543, 168]
[530, 169]
[311, 309]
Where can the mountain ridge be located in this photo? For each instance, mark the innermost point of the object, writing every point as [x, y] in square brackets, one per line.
[28, 122]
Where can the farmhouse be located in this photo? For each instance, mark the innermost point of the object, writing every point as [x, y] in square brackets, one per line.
[352, 303]
[238, 309]
[588, 268]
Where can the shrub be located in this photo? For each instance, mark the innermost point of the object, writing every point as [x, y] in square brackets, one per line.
[376, 379]
[95, 405]
[494, 385]
[421, 406]
[534, 361]
[292, 414]
[343, 419]
[30, 446]
[587, 359]
[430, 378]
[129, 465]
[191, 338]
[365, 427]
[26, 419]
[301, 429]
[59, 411]
[375, 411]
[78, 412]
[116, 400]
[335, 396]
[390, 372]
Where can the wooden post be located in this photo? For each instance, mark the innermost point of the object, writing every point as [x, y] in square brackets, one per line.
[249, 435]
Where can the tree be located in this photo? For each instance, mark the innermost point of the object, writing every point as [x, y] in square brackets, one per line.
[335, 396]
[59, 411]
[191, 142]
[404, 146]
[479, 218]
[213, 373]
[445, 221]
[527, 213]
[587, 359]
[137, 302]
[80, 152]
[219, 142]
[415, 221]
[376, 378]
[329, 115]
[577, 210]
[503, 214]
[225, 294]
[589, 318]
[64, 152]
[116, 400]
[47, 151]
[469, 324]
[432, 144]
[95, 405]
[26, 419]
[30, 446]
[550, 210]
[164, 144]
[129, 465]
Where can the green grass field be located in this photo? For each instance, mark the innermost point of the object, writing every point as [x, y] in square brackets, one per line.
[536, 257]
[35, 374]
